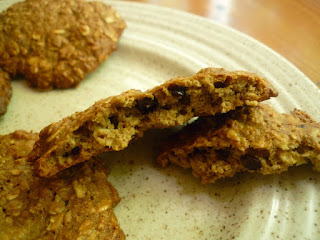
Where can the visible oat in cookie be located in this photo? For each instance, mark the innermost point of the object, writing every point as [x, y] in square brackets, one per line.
[76, 204]
[112, 123]
[5, 91]
[57, 43]
[252, 139]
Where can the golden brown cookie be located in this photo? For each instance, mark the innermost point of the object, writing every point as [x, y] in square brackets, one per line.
[57, 43]
[5, 91]
[112, 123]
[252, 139]
[76, 204]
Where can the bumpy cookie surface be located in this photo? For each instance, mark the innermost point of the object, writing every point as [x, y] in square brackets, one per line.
[112, 123]
[76, 204]
[253, 139]
[5, 91]
[57, 43]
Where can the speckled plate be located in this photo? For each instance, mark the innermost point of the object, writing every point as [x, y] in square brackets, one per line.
[170, 203]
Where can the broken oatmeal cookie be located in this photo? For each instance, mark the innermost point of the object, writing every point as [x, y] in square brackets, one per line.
[253, 139]
[112, 123]
[57, 43]
[75, 204]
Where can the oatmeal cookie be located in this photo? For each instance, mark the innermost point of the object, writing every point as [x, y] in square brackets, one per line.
[252, 139]
[75, 204]
[5, 91]
[112, 123]
[57, 43]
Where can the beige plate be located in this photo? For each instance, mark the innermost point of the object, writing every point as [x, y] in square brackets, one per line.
[159, 44]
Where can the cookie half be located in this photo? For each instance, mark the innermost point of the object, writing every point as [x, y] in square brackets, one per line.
[57, 43]
[252, 139]
[75, 204]
[112, 123]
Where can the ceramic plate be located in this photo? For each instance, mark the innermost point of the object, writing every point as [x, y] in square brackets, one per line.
[170, 203]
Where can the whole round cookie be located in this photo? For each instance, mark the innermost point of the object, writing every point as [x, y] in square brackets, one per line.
[57, 43]
[5, 91]
[75, 204]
